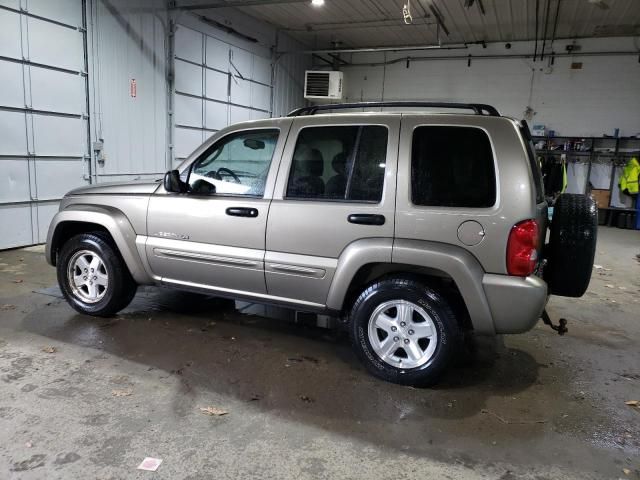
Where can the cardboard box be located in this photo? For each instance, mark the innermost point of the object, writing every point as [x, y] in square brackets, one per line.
[602, 197]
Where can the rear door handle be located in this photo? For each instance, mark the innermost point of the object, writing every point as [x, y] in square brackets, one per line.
[366, 219]
[242, 212]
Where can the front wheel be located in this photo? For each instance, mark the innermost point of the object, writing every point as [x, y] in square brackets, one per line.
[93, 277]
[403, 331]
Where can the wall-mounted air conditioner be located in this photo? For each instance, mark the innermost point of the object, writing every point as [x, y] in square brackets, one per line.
[319, 85]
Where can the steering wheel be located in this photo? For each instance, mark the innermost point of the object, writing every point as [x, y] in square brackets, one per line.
[217, 176]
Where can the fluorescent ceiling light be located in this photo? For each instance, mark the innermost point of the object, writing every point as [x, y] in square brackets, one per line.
[317, 3]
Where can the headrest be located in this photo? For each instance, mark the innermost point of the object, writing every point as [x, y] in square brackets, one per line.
[339, 163]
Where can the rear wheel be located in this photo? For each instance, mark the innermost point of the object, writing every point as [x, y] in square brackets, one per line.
[93, 277]
[403, 331]
[572, 245]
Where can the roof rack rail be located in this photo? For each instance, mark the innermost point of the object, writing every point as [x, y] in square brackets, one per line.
[478, 108]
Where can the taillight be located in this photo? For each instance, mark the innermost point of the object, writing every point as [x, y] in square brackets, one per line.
[522, 248]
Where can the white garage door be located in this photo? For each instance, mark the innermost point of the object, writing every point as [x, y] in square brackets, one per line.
[43, 114]
[216, 84]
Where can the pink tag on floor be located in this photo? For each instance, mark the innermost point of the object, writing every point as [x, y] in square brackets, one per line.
[150, 464]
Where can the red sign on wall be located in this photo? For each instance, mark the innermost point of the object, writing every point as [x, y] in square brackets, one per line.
[133, 88]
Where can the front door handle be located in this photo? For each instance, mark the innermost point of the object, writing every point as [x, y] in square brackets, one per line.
[366, 219]
[242, 212]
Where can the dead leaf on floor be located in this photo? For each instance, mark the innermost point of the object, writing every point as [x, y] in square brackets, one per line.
[7, 307]
[626, 471]
[608, 285]
[18, 281]
[49, 349]
[121, 393]
[306, 399]
[213, 411]
[28, 444]
[633, 403]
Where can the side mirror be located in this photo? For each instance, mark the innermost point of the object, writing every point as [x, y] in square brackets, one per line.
[172, 182]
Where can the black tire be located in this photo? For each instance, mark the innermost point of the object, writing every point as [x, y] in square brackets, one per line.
[121, 287]
[432, 303]
[572, 245]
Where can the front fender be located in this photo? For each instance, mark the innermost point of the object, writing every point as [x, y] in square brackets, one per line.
[114, 221]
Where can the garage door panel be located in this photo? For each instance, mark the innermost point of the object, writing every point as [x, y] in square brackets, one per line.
[11, 85]
[240, 91]
[242, 60]
[10, 34]
[188, 111]
[46, 212]
[13, 136]
[189, 44]
[57, 91]
[11, 3]
[59, 136]
[19, 217]
[260, 96]
[261, 70]
[239, 114]
[257, 115]
[217, 54]
[217, 85]
[51, 44]
[54, 178]
[64, 11]
[188, 78]
[187, 141]
[14, 180]
[216, 115]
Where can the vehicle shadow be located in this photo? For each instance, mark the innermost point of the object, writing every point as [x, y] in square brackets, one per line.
[301, 372]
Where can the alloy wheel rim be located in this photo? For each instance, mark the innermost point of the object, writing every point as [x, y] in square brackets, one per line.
[87, 276]
[402, 334]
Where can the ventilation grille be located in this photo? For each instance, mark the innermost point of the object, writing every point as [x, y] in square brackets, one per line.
[317, 84]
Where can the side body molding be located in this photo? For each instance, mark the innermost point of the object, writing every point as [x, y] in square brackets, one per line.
[352, 258]
[114, 221]
[457, 263]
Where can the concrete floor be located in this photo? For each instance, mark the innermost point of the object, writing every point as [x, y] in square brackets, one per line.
[533, 406]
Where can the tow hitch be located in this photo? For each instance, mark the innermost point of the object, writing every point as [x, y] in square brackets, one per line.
[561, 328]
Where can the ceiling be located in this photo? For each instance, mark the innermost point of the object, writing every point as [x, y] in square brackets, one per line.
[368, 23]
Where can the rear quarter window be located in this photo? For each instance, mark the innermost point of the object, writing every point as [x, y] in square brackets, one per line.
[452, 166]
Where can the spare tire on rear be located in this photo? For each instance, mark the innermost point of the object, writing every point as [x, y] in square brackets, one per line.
[572, 245]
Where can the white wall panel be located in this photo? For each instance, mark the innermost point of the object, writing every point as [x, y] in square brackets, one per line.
[217, 85]
[11, 84]
[239, 114]
[59, 136]
[11, 3]
[10, 34]
[262, 69]
[54, 178]
[13, 137]
[188, 44]
[260, 96]
[14, 180]
[188, 111]
[46, 211]
[51, 44]
[186, 141]
[217, 54]
[240, 91]
[57, 91]
[243, 62]
[65, 11]
[216, 115]
[188, 78]
[20, 233]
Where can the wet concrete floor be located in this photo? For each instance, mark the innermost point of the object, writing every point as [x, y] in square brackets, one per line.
[83, 397]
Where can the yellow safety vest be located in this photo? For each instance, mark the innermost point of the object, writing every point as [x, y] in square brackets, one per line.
[629, 178]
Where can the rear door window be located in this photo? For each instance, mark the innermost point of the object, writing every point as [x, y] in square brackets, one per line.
[345, 162]
[452, 166]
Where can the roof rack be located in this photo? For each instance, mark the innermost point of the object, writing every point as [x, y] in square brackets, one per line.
[477, 108]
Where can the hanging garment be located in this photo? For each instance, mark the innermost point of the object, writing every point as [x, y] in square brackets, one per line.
[554, 174]
[629, 177]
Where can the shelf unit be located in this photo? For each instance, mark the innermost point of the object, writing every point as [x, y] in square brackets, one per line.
[612, 151]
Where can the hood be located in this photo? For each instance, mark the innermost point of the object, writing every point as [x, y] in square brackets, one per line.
[117, 188]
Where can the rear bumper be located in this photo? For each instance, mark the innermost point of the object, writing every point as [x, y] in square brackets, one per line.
[516, 303]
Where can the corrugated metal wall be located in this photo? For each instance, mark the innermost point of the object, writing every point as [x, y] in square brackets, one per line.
[289, 77]
[128, 88]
